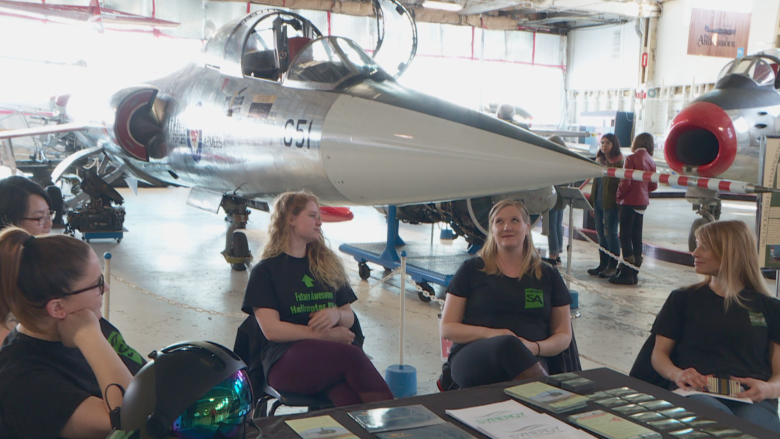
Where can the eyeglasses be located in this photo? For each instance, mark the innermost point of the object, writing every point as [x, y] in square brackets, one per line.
[100, 284]
[43, 219]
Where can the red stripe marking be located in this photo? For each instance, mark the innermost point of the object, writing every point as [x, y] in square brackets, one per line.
[703, 182]
[664, 178]
[725, 186]
[682, 181]
[648, 176]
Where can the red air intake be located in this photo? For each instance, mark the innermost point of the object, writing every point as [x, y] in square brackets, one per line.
[701, 141]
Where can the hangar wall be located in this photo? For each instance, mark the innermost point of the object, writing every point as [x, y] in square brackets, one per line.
[677, 79]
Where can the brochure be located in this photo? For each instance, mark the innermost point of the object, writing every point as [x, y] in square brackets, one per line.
[395, 418]
[320, 427]
[686, 392]
[439, 431]
[612, 426]
[512, 420]
[547, 397]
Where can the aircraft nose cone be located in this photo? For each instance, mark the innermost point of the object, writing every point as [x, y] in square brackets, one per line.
[377, 153]
[701, 141]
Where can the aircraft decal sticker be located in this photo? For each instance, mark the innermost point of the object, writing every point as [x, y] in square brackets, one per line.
[261, 106]
[195, 141]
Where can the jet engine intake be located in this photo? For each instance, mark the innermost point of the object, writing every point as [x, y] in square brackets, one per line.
[702, 141]
[136, 124]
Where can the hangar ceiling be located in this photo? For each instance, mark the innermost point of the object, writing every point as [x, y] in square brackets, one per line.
[553, 16]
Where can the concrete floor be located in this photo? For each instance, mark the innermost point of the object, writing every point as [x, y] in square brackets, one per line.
[170, 283]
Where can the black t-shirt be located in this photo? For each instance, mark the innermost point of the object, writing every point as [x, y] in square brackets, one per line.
[43, 382]
[713, 341]
[286, 284]
[522, 305]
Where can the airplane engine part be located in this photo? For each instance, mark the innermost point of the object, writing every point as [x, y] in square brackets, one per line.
[136, 124]
[701, 141]
[98, 215]
[469, 217]
[96, 218]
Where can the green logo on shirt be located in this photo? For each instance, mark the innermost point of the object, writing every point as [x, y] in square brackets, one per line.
[534, 298]
[118, 343]
[309, 282]
[757, 318]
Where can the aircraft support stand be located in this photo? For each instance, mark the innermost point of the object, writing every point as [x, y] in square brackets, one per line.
[236, 251]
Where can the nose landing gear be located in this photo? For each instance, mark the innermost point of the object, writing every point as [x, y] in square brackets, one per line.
[707, 204]
[236, 251]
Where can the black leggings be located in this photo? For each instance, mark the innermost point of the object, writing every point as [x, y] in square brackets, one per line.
[342, 371]
[631, 231]
[490, 360]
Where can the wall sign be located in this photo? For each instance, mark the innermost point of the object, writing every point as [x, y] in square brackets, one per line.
[718, 33]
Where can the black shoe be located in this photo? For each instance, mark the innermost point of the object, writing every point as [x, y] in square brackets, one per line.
[552, 262]
[610, 270]
[625, 276]
[603, 262]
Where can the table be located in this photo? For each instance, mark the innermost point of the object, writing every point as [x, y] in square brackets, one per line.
[604, 378]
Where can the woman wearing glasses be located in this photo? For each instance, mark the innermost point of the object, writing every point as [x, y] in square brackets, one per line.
[57, 363]
[24, 203]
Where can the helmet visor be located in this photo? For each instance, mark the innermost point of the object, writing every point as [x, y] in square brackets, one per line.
[221, 413]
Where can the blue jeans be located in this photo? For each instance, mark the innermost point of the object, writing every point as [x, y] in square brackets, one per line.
[762, 413]
[607, 228]
[555, 231]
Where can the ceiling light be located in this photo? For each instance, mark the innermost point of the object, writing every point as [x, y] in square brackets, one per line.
[442, 6]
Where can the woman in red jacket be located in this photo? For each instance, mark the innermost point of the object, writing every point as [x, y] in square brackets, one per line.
[633, 198]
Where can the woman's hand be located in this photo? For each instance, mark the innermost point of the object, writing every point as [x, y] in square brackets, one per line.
[338, 334]
[75, 326]
[324, 319]
[690, 378]
[758, 390]
[497, 332]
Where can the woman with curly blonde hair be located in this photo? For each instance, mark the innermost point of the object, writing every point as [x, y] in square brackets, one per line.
[507, 312]
[727, 326]
[300, 295]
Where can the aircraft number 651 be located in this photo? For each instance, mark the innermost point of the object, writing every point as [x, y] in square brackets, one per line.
[298, 132]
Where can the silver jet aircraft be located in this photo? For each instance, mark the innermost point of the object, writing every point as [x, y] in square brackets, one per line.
[719, 134]
[272, 105]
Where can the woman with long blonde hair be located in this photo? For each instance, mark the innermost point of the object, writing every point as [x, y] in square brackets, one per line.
[506, 311]
[727, 326]
[300, 295]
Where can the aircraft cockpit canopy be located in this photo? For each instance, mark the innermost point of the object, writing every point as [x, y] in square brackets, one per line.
[327, 62]
[761, 69]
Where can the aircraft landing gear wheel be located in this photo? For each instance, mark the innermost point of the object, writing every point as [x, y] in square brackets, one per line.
[240, 248]
[428, 289]
[692, 236]
[364, 271]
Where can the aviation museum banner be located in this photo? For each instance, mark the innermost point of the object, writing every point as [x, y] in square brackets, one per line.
[718, 33]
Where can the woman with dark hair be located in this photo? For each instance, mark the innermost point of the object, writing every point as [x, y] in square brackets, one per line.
[300, 295]
[506, 310]
[605, 208]
[57, 363]
[634, 197]
[727, 326]
[24, 203]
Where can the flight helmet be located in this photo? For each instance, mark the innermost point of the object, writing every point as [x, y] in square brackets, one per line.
[191, 390]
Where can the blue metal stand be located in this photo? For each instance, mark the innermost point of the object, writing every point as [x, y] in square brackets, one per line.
[393, 239]
[426, 263]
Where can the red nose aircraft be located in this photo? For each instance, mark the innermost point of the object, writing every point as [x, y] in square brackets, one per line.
[719, 134]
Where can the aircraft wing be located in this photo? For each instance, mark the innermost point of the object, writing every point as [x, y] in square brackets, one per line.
[48, 129]
[561, 133]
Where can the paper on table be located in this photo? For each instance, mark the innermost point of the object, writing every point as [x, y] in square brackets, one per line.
[686, 392]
